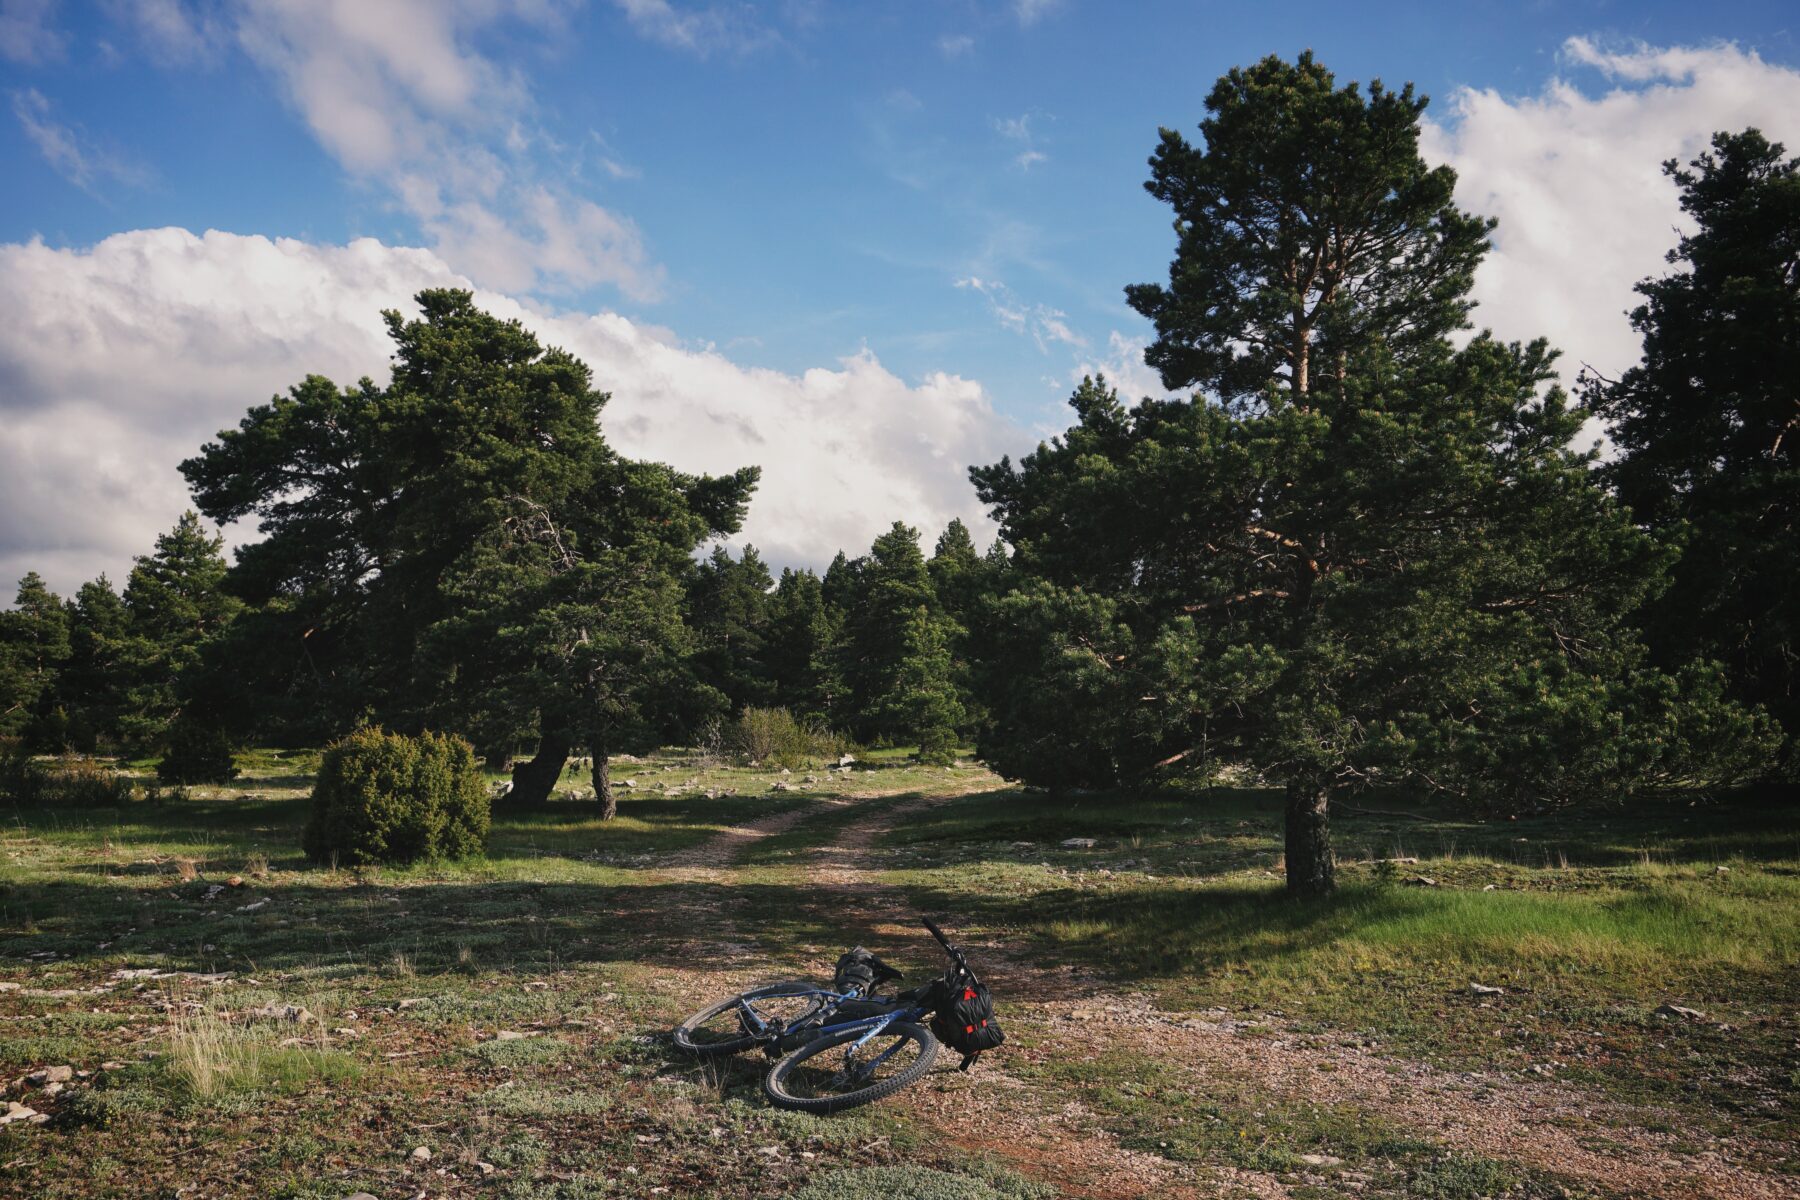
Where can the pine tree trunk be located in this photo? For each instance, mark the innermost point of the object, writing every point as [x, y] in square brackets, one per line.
[1310, 870]
[603, 792]
[534, 779]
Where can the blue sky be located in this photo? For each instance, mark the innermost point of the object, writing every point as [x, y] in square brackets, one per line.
[944, 192]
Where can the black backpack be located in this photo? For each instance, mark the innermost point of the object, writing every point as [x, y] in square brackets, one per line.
[965, 1021]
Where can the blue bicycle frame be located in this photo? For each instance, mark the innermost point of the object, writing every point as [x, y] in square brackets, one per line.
[873, 1024]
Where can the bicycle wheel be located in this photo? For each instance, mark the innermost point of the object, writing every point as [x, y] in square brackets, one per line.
[718, 1031]
[813, 1079]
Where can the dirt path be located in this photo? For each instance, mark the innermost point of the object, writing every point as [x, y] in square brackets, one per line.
[1061, 1142]
[1552, 1128]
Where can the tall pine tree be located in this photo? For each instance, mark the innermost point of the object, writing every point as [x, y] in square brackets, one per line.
[1362, 556]
[1708, 425]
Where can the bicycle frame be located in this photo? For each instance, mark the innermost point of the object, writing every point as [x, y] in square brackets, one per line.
[874, 1025]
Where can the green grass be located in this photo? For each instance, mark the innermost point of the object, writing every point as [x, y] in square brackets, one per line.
[1589, 923]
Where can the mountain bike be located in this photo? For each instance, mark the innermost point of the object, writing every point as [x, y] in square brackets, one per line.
[887, 1042]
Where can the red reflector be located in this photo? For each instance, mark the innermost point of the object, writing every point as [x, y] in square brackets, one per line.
[968, 993]
[984, 1024]
[971, 1028]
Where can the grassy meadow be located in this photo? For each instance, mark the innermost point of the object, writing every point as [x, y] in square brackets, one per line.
[245, 1023]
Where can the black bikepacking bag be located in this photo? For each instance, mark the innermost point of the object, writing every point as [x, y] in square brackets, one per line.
[965, 1022]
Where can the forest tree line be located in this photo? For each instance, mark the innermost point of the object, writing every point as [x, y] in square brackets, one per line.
[1367, 551]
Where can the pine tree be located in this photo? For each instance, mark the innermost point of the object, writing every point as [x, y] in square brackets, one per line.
[34, 645]
[466, 550]
[1708, 425]
[728, 610]
[1397, 575]
[890, 655]
[101, 651]
[175, 603]
[803, 647]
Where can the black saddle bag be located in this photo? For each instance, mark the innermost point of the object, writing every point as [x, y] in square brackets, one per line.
[966, 1023]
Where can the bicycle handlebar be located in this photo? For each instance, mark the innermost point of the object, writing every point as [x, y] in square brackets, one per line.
[956, 956]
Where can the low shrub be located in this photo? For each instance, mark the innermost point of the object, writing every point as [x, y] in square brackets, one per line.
[196, 753]
[387, 798]
[72, 781]
[773, 735]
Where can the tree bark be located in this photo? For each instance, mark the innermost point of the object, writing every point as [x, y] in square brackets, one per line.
[1310, 869]
[534, 779]
[603, 792]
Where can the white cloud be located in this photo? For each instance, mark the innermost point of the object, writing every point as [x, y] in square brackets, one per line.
[1029, 12]
[26, 33]
[65, 148]
[172, 33]
[397, 93]
[955, 45]
[1574, 175]
[1018, 129]
[1043, 324]
[118, 361]
[700, 32]
[1124, 368]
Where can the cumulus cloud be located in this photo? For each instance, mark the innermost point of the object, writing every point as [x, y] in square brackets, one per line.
[1574, 176]
[955, 45]
[1030, 12]
[118, 361]
[397, 93]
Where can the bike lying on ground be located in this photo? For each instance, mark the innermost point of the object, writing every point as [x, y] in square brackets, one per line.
[886, 1040]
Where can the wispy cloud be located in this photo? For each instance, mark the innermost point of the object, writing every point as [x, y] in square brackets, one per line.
[26, 32]
[1043, 324]
[956, 45]
[397, 94]
[1018, 131]
[1030, 12]
[700, 31]
[172, 33]
[67, 149]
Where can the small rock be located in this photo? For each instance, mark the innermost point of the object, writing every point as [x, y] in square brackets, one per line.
[785, 771]
[50, 1075]
[1675, 1010]
[627, 784]
[16, 1112]
[212, 891]
[263, 903]
[420, 1154]
[1721, 870]
[1491, 887]
[359, 1196]
[779, 786]
[844, 761]
[112, 1066]
[1421, 881]
[279, 1012]
[54, 1089]
[235, 881]
[1320, 1160]
[486, 1168]
[1079, 843]
[510, 1035]
[1481, 989]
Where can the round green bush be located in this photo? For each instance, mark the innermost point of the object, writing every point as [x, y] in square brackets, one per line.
[196, 753]
[387, 798]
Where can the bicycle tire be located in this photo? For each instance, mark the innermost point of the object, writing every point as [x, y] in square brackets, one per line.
[684, 1032]
[775, 1082]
